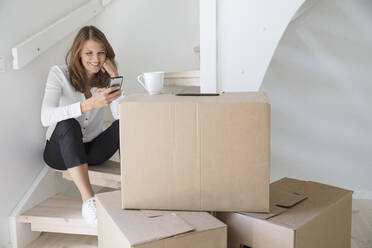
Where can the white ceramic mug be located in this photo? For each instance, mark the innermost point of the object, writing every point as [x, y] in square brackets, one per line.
[152, 81]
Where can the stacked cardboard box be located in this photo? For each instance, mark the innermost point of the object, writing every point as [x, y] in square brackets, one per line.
[155, 229]
[212, 154]
[303, 215]
[196, 153]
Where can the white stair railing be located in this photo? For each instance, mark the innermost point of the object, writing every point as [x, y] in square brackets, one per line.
[37, 44]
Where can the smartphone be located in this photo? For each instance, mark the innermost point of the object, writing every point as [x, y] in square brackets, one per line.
[197, 94]
[114, 82]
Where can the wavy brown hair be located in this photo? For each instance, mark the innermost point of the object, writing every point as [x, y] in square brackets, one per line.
[76, 69]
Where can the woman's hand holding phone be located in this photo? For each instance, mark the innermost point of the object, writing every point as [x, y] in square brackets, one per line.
[101, 98]
[104, 96]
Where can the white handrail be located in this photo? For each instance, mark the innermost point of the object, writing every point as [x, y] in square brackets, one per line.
[34, 46]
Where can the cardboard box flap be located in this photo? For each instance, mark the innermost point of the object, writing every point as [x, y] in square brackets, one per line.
[274, 211]
[156, 213]
[285, 199]
[280, 201]
[160, 227]
[137, 227]
[201, 221]
[288, 185]
[259, 97]
[320, 197]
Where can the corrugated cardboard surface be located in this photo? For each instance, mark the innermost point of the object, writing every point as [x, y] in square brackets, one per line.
[255, 233]
[134, 228]
[331, 228]
[109, 234]
[196, 219]
[196, 153]
[319, 216]
[320, 198]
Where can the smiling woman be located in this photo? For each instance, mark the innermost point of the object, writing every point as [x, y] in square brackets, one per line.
[92, 57]
[89, 54]
[72, 109]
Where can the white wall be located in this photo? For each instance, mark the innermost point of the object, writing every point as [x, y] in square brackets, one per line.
[319, 82]
[146, 36]
[248, 33]
[152, 36]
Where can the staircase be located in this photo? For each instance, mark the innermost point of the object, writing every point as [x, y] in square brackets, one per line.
[106, 175]
[59, 214]
[59, 219]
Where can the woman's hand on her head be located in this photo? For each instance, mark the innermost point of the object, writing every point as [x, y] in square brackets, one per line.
[101, 98]
[110, 68]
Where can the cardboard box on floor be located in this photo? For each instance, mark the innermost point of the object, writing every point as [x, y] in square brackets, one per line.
[207, 153]
[304, 215]
[155, 229]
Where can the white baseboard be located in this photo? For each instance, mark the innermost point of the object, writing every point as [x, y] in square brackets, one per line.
[362, 195]
[47, 184]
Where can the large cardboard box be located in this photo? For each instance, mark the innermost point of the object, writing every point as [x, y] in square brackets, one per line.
[304, 215]
[155, 229]
[196, 152]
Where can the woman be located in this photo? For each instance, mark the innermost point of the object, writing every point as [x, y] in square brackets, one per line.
[72, 109]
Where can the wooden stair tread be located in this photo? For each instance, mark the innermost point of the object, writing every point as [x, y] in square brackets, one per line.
[185, 78]
[106, 174]
[60, 214]
[58, 240]
[110, 167]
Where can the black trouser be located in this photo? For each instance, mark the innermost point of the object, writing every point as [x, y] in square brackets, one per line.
[65, 148]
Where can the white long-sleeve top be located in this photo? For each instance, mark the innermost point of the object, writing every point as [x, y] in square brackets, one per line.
[61, 102]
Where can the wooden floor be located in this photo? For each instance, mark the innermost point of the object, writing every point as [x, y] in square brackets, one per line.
[361, 235]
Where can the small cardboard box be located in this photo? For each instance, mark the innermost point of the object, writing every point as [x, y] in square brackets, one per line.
[155, 229]
[202, 153]
[304, 215]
